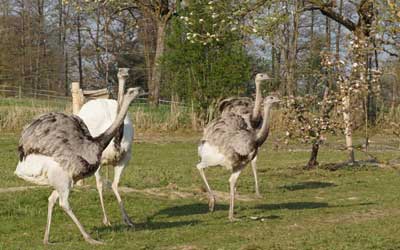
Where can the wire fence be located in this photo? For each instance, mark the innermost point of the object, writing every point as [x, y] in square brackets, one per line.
[18, 92]
[19, 105]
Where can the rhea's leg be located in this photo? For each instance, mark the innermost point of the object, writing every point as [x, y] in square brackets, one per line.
[52, 200]
[232, 184]
[99, 184]
[65, 205]
[211, 197]
[254, 168]
[117, 176]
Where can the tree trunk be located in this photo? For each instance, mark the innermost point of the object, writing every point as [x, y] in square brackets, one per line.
[79, 48]
[313, 163]
[65, 53]
[292, 53]
[328, 48]
[155, 82]
[339, 31]
[348, 127]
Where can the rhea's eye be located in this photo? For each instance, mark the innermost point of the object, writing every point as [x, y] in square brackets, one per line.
[271, 97]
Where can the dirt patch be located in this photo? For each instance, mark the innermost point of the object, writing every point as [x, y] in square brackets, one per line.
[167, 192]
[185, 247]
[184, 193]
[357, 217]
[18, 189]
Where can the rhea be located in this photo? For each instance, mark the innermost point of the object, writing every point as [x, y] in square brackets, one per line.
[57, 150]
[98, 115]
[250, 111]
[229, 141]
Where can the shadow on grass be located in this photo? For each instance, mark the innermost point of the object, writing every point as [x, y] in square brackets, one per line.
[355, 165]
[191, 209]
[202, 208]
[308, 185]
[293, 205]
[148, 225]
[306, 205]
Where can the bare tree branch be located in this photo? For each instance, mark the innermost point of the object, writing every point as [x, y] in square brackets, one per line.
[328, 11]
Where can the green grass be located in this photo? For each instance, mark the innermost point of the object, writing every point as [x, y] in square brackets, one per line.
[351, 208]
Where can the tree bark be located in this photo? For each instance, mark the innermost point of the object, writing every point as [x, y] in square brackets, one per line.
[79, 48]
[155, 82]
[328, 48]
[339, 31]
[348, 127]
[292, 51]
[312, 162]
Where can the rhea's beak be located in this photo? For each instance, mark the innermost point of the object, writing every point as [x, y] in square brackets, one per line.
[142, 93]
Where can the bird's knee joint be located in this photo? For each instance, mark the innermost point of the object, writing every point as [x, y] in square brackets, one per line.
[200, 166]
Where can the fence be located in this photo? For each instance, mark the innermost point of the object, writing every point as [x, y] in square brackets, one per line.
[43, 94]
[24, 92]
[19, 105]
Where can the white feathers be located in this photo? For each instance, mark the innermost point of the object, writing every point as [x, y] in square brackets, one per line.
[98, 115]
[210, 155]
[39, 169]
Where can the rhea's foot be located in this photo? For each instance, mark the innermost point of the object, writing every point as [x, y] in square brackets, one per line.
[233, 219]
[46, 242]
[128, 221]
[93, 242]
[106, 222]
[211, 203]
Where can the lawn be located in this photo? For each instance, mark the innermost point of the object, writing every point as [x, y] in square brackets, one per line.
[350, 208]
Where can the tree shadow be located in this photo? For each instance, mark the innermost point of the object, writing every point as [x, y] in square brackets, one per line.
[293, 205]
[306, 205]
[354, 165]
[148, 225]
[190, 209]
[308, 185]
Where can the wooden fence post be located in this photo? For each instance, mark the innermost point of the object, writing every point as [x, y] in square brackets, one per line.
[77, 102]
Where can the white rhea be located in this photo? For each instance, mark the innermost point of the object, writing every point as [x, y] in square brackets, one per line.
[98, 115]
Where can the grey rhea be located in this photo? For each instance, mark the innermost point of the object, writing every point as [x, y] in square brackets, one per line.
[229, 141]
[57, 150]
[250, 111]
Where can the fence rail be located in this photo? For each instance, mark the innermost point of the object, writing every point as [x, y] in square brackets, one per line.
[44, 94]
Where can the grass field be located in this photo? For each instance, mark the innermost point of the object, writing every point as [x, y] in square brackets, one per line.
[350, 208]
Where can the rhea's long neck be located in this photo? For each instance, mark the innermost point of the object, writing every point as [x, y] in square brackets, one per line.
[262, 134]
[105, 138]
[257, 103]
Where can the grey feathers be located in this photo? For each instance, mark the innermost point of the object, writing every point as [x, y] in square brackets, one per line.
[242, 106]
[233, 137]
[66, 139]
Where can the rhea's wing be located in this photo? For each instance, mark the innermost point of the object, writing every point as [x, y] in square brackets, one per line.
[231, 134]
[236, 105]
[65, 138]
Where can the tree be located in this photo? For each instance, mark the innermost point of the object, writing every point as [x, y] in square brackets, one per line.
[157, 13]
[362, 40]
[203, 73]
[309, 119]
